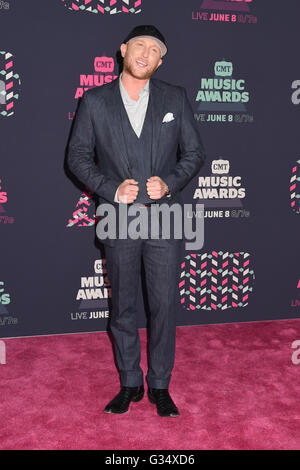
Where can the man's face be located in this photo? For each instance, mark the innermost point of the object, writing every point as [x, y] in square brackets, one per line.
[142, 57]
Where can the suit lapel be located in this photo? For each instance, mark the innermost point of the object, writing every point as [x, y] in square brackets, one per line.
[158, 101]
[114, 111]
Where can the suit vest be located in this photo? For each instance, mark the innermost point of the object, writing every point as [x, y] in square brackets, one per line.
[139, 150]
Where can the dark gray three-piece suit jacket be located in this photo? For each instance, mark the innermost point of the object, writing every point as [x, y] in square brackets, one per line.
[98, 131]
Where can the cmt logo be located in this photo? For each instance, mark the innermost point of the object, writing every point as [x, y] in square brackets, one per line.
[9, 84]
[104, 64]
[110, 7]
[221, 190]
[223, 69]
[220, 166]
[227, 5]
[222, 92]
[103, 73]
[94, 292]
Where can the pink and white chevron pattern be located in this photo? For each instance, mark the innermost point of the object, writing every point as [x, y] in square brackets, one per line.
[295, 188]
[9, 84]
[81, 216]
[216, 280]
[110, 7]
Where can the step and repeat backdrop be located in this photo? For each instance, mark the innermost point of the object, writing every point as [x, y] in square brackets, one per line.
[238, 61]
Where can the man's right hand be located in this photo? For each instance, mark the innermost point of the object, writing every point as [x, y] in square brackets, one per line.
[128, 191]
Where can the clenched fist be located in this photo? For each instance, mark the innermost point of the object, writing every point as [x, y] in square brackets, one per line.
[156, 187]
[128, 191]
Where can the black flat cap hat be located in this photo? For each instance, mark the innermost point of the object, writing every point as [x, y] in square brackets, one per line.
[150, 31]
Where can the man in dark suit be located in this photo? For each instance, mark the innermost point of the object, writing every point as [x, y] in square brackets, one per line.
[136, 124]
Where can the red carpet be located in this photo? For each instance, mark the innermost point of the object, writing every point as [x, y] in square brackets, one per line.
[235, 386]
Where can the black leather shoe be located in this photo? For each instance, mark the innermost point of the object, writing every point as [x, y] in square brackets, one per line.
[120, 404]
[164, 403]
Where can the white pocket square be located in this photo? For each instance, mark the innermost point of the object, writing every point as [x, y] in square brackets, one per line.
[168, 117]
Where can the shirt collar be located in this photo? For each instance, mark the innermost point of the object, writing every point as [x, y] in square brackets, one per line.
[125, 95]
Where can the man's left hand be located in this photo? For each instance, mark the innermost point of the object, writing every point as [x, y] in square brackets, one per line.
[156, 187]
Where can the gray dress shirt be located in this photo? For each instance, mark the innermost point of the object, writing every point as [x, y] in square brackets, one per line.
[136, 110]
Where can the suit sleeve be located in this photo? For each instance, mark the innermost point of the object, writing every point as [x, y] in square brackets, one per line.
[81, 155]
[192, 154]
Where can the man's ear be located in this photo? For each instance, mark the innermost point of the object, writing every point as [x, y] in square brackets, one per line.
[159, 64]
[123, 49]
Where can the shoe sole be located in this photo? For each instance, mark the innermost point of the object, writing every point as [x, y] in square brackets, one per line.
[152, 400]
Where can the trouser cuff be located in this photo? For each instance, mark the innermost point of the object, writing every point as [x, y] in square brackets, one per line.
[158, 383]
[131, 379]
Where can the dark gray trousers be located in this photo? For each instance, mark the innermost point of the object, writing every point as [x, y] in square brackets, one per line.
[161, 262]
